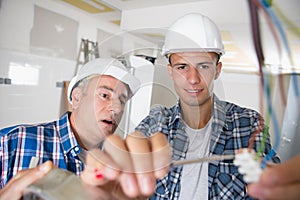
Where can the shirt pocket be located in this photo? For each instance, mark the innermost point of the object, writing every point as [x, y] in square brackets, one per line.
[228, 183]
[161, 191]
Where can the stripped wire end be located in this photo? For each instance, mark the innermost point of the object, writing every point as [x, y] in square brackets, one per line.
[248, 165]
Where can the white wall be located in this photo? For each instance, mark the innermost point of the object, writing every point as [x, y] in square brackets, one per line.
[290, 135]
[42, 101]
[32, 103]
[25, 46]
[241, 89]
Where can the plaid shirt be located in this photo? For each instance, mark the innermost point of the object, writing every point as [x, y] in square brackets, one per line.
[53, 141]
[232, 127]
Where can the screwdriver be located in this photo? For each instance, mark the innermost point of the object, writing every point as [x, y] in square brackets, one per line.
[200, 160]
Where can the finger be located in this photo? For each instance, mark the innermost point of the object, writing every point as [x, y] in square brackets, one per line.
[287, 172]
[287, 192]
[161, 154]
[26, 177]
[98, 192]
[99, 170]
[93, 176]
[115, 146]
[141, 155]
[16, 186]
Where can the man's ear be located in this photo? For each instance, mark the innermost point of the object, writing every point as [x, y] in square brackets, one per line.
[170, 71]
[76, 96]
[218, 70]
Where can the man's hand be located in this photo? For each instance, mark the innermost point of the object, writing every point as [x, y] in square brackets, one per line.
[134, 163]
[281, 181]
[15, 187]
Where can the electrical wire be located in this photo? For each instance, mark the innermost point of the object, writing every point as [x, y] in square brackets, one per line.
[254, 5]
[255, 29]
[277, 23]
[295, 30]
[274, 24]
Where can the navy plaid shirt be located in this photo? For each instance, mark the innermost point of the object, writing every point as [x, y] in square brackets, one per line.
[232, 127]
[53, 141]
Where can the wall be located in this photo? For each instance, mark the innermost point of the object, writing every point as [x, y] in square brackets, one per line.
[39, 45]
[290, 137]
[39, 101]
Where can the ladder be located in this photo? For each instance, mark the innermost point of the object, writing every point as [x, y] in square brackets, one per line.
[88, 51]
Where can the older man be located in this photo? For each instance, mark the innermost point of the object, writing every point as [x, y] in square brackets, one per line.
[98, 94]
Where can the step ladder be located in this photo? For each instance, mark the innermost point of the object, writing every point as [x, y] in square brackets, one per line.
[88, 50]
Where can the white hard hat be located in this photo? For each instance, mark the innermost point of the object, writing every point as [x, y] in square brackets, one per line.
[193, 32]
[105, 66]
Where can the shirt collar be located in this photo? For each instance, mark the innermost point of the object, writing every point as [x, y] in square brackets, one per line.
[219, 117]
[66, 135]
[176, 112]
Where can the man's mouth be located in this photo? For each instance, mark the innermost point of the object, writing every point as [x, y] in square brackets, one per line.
[194, 90]
[110, 122]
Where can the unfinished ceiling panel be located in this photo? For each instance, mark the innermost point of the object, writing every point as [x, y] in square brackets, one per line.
[53, 34]
[91, 6]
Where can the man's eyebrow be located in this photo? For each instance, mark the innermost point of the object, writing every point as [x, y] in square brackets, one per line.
[200, 63]
[112, 90]
[205, 63]
[179, 63]
[106, 88]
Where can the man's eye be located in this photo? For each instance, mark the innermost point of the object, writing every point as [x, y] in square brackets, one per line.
[103, 95]
[180, 67]
[203, 66]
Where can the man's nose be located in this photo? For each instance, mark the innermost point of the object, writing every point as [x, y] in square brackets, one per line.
[193, 75]
[116, 106]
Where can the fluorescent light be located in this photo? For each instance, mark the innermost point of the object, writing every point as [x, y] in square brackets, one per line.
[23, 74]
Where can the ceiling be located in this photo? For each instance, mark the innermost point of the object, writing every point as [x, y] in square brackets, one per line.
[110, 10]
[234, 25]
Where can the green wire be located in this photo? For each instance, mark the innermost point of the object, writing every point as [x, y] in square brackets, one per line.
[265, 133]
[263, 142]
[269, 2]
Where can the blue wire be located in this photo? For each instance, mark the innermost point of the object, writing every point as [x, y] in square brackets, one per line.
[267, 89]
[278, 25]
[275, 123]
[284, 38]
[295, 84]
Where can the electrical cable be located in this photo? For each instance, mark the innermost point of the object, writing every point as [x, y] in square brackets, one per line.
[248, 163]
[255, 29]
[281, 31]
[253, 6]
[260, 58]
[272, 21]
[296, 31]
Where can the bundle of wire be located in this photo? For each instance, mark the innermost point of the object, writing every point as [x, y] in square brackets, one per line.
[274, 24]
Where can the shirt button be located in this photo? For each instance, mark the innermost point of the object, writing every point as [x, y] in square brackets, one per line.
[76, 148]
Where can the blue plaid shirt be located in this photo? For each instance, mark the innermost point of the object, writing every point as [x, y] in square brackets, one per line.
[232, 127]
[53, 141]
